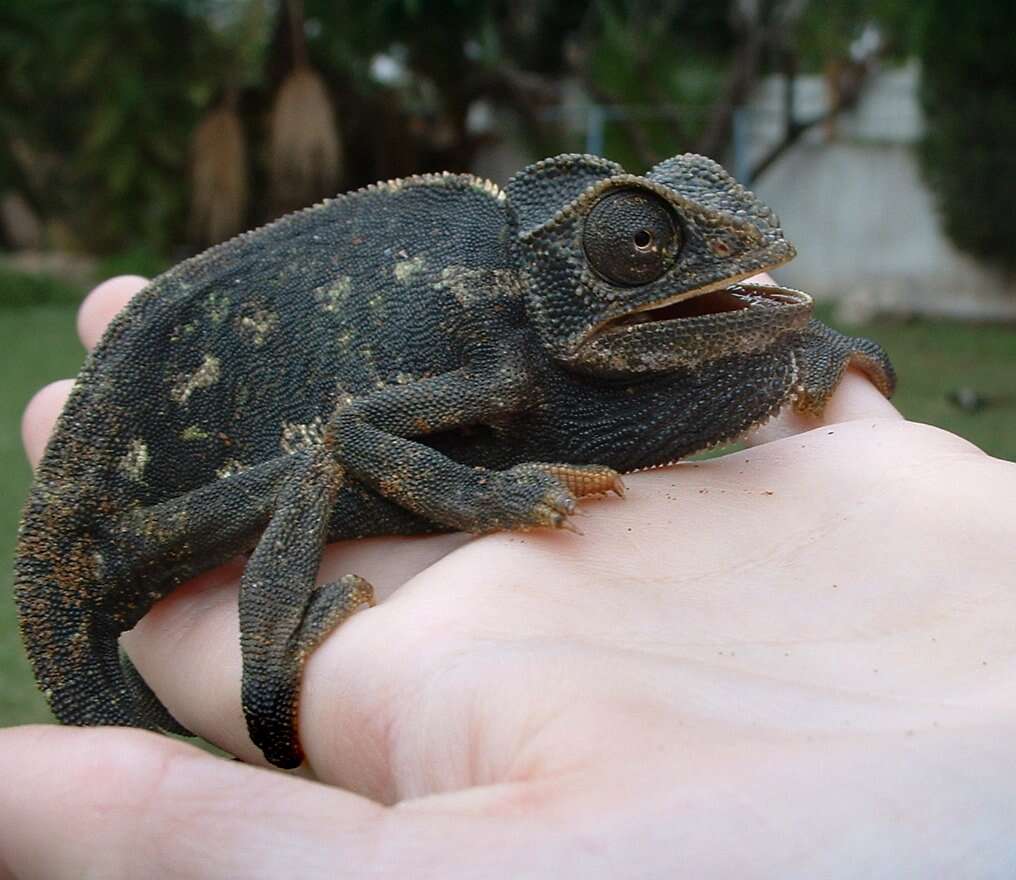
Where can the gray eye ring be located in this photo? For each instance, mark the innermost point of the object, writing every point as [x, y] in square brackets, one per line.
[631, 237]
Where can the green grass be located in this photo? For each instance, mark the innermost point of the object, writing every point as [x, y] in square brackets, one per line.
[24, 289]
[38, 344]
[934, 358]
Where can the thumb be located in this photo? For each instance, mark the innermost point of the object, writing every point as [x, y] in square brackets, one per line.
[119, 803]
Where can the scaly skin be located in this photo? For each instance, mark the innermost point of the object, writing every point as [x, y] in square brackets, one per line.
[425, 354]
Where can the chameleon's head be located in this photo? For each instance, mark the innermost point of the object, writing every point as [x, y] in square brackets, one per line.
[629, 274]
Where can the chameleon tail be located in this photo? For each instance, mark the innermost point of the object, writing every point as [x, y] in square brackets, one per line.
[71, 642]
[76, 665]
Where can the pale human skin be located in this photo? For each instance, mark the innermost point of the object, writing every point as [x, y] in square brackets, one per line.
[795, 661]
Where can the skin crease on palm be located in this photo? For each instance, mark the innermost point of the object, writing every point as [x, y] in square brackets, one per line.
[795, 661]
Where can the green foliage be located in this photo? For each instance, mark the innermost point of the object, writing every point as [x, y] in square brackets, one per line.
[826, 31]
[141, 260]
[969, 95]
[100, 99]
[447, 55]
[666, 62]
[21, 289]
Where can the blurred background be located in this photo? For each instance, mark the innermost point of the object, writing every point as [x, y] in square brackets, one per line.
[134, 133]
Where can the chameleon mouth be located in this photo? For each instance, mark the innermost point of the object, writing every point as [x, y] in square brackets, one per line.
[712, 301]
[695, 328]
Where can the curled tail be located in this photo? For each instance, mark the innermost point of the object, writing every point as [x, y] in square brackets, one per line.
[86, 572]
[76, 659]
[62, 588]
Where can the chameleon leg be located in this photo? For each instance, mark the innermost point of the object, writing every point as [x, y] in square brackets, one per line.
[193, 532]
[178, 537]
[75, 601]
[375, 439]
[74, 604]
[470, 499]
[823, 356]
[283, 615]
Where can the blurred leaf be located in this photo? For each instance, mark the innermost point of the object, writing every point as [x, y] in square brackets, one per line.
[969, 96]
[20, 289]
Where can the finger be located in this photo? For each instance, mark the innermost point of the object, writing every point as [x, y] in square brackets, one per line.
[113, 803]
[121, 804]
[40, 417]
[102, 305]
[193, 636]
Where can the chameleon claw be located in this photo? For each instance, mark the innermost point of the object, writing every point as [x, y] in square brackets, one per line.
[618, 487]
[568, 525]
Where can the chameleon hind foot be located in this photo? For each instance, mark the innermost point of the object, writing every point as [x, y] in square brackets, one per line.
[329, 605]
[271, 689]
[283, 614]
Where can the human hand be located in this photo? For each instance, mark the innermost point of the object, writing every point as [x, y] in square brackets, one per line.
[791, 661]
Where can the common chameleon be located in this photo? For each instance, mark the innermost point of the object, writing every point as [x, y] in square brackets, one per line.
[424, 354]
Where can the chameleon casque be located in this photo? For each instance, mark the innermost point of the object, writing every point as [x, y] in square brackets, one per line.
[424, 354]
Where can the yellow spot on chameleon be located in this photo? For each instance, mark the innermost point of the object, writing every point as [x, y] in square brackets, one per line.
[405, 269]
[194, 432]
[181, 333]
[259, 325]
[132, 464]
[297, 437]
[231, 466]
[205, 375]
[332, 296]
[217, 307]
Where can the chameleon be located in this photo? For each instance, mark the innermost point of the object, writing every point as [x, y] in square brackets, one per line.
[424, 354]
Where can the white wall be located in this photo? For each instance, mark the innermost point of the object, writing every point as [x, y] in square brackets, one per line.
[854, 204]
[857, 209]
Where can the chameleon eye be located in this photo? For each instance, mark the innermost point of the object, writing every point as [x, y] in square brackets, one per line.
[630, 237]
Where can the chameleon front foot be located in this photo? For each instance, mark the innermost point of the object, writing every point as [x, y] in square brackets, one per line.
[582, 479]
[823, 356]
[541, 494]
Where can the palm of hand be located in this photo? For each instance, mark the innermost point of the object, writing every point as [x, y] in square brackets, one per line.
[791, 637]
